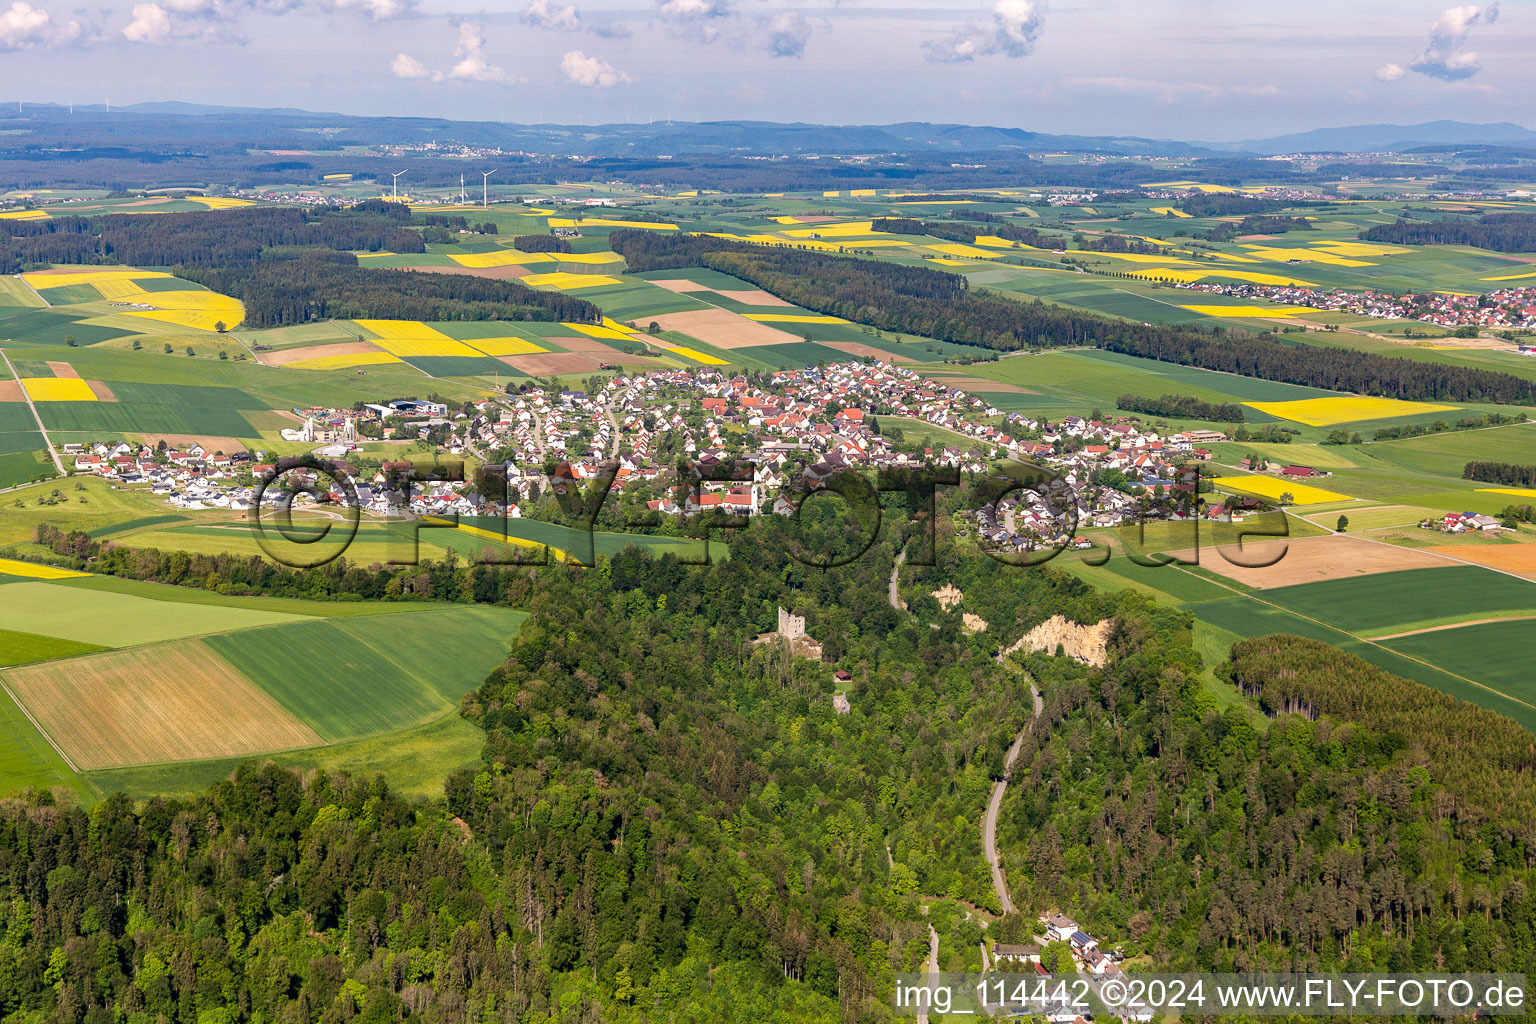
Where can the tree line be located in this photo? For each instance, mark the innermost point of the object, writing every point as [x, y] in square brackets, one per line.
[1256, 225]
[1499, 232]
[319, 286]
[541, 243]
[1508, 473]
[1186, 407]
[207, 239]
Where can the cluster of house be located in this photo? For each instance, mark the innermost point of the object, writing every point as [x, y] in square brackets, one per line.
[1462, 522]
[189, 478]
[1498, 309]
[1082, 493]
[792, 427]
[1098, 964]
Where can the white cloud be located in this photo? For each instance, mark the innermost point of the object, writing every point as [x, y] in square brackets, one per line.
[700, 19]
[406, 66]
[787, 35]
[544, 14]
[378, 10]
[163, 21]
[150, 24]
[472, 65]
[592, 72]
[1446, 56]
[23, 26]
[1015, 28]
[686, 10]
[1390, 72]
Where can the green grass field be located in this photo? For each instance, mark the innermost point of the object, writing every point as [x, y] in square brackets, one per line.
[1409, 599]
[120, 620]
[1496, 654]
[21, 648]
[348, 678]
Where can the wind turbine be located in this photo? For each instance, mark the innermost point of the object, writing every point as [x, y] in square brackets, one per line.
[461, 190]
[395, 184]
[485, 188]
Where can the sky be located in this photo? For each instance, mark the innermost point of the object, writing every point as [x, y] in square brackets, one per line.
[1208, 70]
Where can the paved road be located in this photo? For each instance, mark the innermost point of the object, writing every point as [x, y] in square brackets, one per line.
[895, 569]
[613, 449]
[57, 462]
[931, 966]
[989, 828]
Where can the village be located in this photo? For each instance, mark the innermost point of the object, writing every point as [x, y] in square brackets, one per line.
[791, 429]
[1499, 309]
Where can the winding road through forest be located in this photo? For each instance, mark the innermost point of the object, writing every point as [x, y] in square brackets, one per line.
[989, 825]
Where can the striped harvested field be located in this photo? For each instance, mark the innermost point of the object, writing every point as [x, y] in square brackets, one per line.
[176, 702]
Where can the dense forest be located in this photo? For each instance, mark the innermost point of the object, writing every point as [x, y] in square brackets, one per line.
[1500, 473]
[932, 303]
[206, 239]
[1500, 232]
[1386, 827]
[938, 229]
[1186, 407]
[540, 243]
[316, 287]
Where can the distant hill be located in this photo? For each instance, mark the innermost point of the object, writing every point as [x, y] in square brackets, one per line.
[1383, 138]
[302, 129]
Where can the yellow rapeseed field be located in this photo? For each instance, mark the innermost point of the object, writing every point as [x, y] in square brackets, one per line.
[1325, 412]
[12, 567]
[1272, 487]
[1166, 210]
[844, 230]
[566, 281]
[203, 311]
[1277, 254]
[220, 202]
[24, 215]
[57, 389]
[695, 355]
[590, 330]
[96, 277]
[406, 338]
[499, 258]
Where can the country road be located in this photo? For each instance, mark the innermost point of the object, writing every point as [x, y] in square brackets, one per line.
[989, 828]
[930, 966]
[895, 570]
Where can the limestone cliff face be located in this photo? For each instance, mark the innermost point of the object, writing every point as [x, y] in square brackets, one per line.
[1085, 643]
